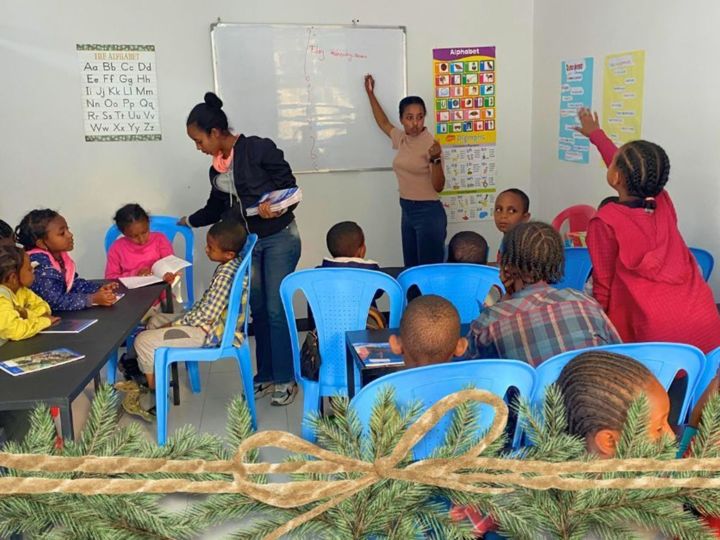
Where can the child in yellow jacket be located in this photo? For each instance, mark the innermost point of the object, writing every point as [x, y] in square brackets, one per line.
[22, 312]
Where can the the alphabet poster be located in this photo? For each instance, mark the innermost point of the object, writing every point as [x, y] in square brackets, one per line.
[623, 96]
[119, 92]
[576, 83]
[465, 120]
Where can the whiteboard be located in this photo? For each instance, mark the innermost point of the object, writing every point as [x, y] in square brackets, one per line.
[302, 86]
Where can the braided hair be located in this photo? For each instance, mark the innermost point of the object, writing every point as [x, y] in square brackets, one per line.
[535, 249]
[11, 260]
[129, 214]
[598, 388]
[33, 227]
[645, 167]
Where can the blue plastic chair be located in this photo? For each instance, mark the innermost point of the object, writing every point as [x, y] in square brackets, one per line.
[577, 269]
[664, 360]
[169, 227]
[165, 356]
[464, 285]
[339, 299]
[712, 363]
[705, 260]
[429, 384]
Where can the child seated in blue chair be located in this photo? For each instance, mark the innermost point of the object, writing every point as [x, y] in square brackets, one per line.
[346, 243]
[468, 247]
[203, 324]
[535, 321]
[429, 332]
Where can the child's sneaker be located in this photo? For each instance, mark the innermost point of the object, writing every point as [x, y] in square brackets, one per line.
[131, 405]
[263, 389]
[284, 394]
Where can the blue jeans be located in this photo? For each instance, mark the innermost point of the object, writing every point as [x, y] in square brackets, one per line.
[274, 257]
[424, 228]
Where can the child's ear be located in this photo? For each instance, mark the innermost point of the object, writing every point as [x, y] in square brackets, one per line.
[461, 347]
[361, 252]
[526, 216]
[605, 442]
[395, 344]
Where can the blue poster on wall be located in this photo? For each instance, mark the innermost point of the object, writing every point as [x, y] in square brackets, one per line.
[576, 83]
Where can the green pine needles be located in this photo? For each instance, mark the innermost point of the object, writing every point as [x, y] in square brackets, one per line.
[389, 509]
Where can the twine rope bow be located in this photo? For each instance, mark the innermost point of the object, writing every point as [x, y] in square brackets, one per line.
[447, 473]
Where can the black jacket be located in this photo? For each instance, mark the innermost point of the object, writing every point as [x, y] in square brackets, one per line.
[258, 167]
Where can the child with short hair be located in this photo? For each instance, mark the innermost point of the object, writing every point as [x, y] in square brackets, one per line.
[468, 247]
[429, 332]
[22, 313]
[46, 237]
[641, 263]
[536, 321]
[512, 206]
[134, 253]
[346, 243]
[204, 323]
[7, 235]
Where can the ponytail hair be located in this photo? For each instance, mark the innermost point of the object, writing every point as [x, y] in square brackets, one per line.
[209, 115]
[33, 227]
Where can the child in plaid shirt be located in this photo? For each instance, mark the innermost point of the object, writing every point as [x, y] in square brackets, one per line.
[536, 321]
[204, 323]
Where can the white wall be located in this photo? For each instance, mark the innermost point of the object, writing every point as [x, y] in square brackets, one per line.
[681, 85]
[44, 161]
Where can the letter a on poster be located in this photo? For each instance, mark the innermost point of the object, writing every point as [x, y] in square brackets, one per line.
[623, 96]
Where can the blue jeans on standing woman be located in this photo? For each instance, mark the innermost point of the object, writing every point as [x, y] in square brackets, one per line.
[424, 228]
[274, 257]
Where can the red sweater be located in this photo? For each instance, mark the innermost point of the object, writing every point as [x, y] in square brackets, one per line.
[644, 275]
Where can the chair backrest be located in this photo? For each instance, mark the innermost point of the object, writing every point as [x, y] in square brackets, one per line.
[236, 292]
[705, 260]
[664, 360]
[168, 226]
[429, 384]
[465, 285]
[577, 269]
[712, 363]
[577, 216]
[339, 299]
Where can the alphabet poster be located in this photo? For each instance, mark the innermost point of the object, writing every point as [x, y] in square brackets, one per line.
[119, 92]
[576, 82]
[623, 96]
[465, 93]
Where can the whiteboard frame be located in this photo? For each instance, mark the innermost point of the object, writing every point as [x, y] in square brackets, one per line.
[328, 26]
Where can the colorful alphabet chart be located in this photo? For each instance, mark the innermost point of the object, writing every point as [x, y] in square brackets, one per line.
[623, 96]
[119, 92]
[576, 83]
[465, 95]
[465, 127]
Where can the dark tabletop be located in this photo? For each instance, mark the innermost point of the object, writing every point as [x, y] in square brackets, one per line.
[96, 343]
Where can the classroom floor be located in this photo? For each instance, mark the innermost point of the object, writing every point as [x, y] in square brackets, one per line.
[207, 411]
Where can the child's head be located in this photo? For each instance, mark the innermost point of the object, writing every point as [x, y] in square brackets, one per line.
[346, 239]
[639, 169]
[429, 332]
[598, 388]
[225, 240]
[608, 200]
[15, 269]
[512, 206]
[468, 247]
[533, 252]
[134, 223]
[207, 124]
[7, 235]
[45, 229]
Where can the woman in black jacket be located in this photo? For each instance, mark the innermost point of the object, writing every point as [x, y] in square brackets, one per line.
[243, 169]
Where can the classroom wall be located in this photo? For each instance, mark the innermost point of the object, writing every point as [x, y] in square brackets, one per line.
[681, 82]
[44, 160]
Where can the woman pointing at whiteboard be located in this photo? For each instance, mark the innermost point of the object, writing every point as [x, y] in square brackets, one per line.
[419, 170]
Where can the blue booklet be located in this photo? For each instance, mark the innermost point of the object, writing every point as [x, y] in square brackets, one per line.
[39, 361]
[377, 354]
[69, 326]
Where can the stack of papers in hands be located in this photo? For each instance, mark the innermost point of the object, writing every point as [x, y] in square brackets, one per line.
[171, 264]
[279, 200]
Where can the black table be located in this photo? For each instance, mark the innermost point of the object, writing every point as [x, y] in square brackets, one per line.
[370, 373]
[59, 386]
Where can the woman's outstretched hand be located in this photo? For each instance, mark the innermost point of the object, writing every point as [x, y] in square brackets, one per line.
[369, 84]
[588, 122]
